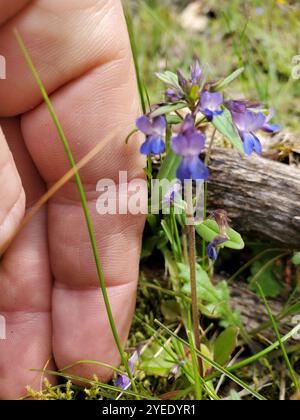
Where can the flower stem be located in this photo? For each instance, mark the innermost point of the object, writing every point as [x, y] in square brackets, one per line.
[192, 263]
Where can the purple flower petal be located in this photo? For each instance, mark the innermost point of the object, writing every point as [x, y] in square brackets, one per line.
[196, 72]
[144, 125]
[179, 143]
[146, 148]
[212, 252]
[210, 104]
[208, 114]
[170, 196]
[241, 106]
[188, 124]
[211, 100]
[192, 168]
[159, 125]
[191, 145]
[271, 128]
[123, 381]
[249, 121]
[173, 96]
[155, 132]
[157, 145]
[211, 249]
[153, 145]
[183, 82]
[251, 144]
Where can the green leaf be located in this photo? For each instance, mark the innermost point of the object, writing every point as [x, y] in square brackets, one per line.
[209, 229]
[225, 82]
[167, 230]
[216, 298]
[169, 167]
[169, 78]
[234, 396]
[224, 124]
[167, 109]
[148, 246]
[267, 279]
[296, 258]
[171, 310]
[225, 345]
[174, 119]
[156, 361]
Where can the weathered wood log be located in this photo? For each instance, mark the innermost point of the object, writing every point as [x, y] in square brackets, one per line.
[253, 312]
[261, 196]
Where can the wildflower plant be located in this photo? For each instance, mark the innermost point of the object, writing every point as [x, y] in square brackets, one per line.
[176, 132]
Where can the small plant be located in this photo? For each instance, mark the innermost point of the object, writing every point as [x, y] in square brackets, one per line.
[176, 131]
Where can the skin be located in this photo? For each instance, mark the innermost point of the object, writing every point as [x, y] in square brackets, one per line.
[49, 289]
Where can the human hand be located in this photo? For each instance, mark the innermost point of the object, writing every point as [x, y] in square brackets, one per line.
[49, 289]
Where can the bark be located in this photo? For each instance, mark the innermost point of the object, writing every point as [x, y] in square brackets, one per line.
[261, 196]
[253, 313]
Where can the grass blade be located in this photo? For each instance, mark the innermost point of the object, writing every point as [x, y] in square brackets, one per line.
[141, 87]
[278, 335]
[216, 365]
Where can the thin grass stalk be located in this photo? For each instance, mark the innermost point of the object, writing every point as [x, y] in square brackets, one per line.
[278, 335]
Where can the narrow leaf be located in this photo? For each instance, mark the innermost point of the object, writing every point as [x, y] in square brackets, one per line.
[167, 109]
[224, 124]
[225, 82]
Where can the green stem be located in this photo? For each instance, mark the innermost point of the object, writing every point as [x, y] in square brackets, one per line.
[84, 205]
[195, 361]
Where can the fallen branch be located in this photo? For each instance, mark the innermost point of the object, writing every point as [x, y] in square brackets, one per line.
[261, 196]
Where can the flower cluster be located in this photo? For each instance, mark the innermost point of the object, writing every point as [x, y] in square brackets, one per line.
[179, 126]
[200, 97]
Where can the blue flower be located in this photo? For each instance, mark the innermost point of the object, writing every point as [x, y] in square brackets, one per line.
[172, 194]
[196, 72]
[123, 381]
[212, 247]
[155, 130]
[210, 104]
[174, 94]
[249, 119]
[189, 144]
